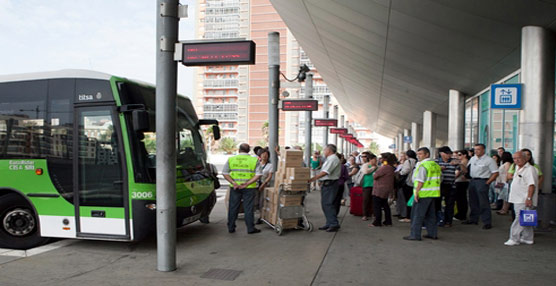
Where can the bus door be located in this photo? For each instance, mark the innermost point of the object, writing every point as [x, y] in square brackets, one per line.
[101, 205]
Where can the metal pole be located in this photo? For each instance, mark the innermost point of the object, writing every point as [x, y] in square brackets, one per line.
[335, 136]
[308, 119]
[166, 90]
[346, 144]
[325, 103]
[273, 90]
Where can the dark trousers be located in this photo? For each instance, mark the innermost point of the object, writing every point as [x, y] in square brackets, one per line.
[328, 194]
[368, 201]
[448, 193]
[423, 211]
[407, 192]
[338, 199]
[461, 200]
[380, 204]
[236, 197]
[478, 201]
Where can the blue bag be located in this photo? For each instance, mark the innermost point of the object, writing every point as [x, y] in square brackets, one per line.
[528, 218]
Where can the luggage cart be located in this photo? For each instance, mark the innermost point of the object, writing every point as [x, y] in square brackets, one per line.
[289, 212]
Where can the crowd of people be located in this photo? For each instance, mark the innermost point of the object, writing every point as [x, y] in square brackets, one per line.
[428, 192]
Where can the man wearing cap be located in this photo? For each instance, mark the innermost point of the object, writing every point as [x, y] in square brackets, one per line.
[448, 187]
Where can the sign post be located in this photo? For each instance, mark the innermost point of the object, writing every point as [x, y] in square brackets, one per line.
[505, 96]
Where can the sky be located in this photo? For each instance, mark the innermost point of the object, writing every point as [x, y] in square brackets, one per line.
[115, 37]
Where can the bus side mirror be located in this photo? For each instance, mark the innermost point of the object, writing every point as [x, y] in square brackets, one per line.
[140, 120]
[216, 132]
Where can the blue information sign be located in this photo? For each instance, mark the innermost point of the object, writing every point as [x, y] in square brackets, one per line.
[505, 96]
[393, 146]
[407, 139]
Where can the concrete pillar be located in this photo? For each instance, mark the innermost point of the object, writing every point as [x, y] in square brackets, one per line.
[399, 148]
[341, 122]
[416, 135]
[405, 145]
[335, 136]
[536, 119]
[429, 131]
[456, 122]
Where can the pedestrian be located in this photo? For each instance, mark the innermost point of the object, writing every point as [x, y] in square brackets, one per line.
[358, 159]
[316, 164]
[368, 167]
[462, 184]
[242, 172]
[531, 161]
[407, 186]
[524, 195]
[500, 151]
[483, 171]
[426, 188]
[448, 187]
[344, 176]
[328, 176]
[352, 170]
[265, 169]
[492, 194]
[501, 185]
[383, 188]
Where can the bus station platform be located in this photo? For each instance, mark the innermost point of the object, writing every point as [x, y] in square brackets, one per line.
[356, 255]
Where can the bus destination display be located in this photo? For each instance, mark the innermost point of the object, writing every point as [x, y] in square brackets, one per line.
[300, 105]
[219, 53]
[326, 122]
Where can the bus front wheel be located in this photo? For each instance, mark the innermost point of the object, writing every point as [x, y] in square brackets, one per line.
[18, 223]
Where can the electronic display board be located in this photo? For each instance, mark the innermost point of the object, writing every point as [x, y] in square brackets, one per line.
[219, 53]
[338, 130]
[326, 122]
[300, 105]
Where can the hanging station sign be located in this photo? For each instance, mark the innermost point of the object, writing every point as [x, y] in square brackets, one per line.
[300, 105]
[326, 122]
[338, 130]
[218, 53]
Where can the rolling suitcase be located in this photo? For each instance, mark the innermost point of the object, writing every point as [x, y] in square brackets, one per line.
[356, 201]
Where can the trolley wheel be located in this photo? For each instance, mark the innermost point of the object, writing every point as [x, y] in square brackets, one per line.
[279, 230]
[308, 226]
[18, 223]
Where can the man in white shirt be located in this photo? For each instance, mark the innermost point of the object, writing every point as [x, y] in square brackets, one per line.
[483, 171]
[524, 195]
[328, 176]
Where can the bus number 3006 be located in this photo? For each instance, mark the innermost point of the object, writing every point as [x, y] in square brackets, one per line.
[142, 195]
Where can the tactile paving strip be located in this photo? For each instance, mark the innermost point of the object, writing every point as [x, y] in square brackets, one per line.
[221, 274]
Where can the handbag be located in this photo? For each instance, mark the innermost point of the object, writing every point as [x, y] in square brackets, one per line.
[358, 178]
[528, 218]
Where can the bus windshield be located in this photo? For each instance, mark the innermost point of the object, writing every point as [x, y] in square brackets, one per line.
[191, 156]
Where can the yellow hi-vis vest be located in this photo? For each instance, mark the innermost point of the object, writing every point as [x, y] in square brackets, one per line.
[242, 169]
[431, 186]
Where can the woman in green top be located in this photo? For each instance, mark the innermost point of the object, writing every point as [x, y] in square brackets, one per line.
[316, 164]
[368, 167]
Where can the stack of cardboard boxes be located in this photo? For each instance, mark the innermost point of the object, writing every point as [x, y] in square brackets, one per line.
[291, 177]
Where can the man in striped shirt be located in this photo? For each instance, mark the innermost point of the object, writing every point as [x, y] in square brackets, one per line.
[448, 166]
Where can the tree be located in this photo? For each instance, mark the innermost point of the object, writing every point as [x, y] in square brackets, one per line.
[228, 145]
[265, 131]
[374, 148]
[261, 143]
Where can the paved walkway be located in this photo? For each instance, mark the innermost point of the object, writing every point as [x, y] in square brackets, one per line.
[357, 255]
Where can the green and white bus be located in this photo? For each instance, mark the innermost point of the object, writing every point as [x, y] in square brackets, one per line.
[77, 159]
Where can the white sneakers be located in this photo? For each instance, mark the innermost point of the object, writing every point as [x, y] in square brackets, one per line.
[529, 242]
[511, 242]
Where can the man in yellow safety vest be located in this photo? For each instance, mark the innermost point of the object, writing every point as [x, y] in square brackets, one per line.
[242, 172]
[426, 182]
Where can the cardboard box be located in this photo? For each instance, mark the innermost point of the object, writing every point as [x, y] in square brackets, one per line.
[290, 200]
[298, 174]
[270, 195]
[289, 223]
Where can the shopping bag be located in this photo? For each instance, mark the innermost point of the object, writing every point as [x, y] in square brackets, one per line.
[410, 201]
[528, 218]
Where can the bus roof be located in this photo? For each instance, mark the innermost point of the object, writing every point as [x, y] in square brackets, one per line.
[68, 73]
